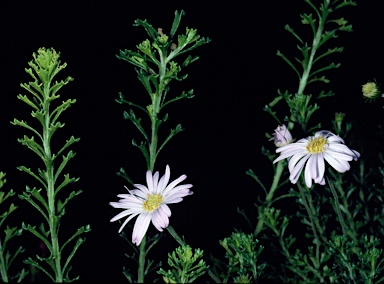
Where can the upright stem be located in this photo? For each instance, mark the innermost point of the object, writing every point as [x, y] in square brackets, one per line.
[314, 221]
[337, 208]
[51, 190]
[3, 269]
[268, 199]
[156, 100]
[315, 46]
[140, 274]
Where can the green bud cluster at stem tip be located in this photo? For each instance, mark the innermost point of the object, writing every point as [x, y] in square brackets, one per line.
[371, 91]
[43, 93]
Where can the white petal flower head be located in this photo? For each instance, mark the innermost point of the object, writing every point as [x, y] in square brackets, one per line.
[312, 151]
[149, 203]
[282, 136]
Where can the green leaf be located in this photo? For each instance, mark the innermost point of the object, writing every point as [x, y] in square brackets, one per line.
[176, 22]
[24, 124]
[288, 28]
[184, 95]
[178, 129]
[330, 66]
[36, 193]
[79, 242]
[27, 197]
[37, 234]
[57, 112]
[28, 171]
[84, 229]
[53, 127]
[189, 60]
[58, 85]
[307, 19]
[143, 149]
[289, 63]
[32, 145]
[150, 30]
[66, 181]
[136, 121]
[147, 80]
[68, 143]
[124, 175]
[69, 156]
[40, 115]
[61, 205]
[30, 261]
[27, 101]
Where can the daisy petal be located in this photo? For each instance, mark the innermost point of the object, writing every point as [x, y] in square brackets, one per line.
[140, 228]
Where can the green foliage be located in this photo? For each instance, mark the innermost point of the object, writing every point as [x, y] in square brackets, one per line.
[242, 252]
[188, 265]
[6, 258]
[155, 67]
[323, 29]
[43, 92]
[149, 267]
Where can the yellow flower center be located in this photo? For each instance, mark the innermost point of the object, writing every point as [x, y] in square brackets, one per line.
[316, 145]
[153, 202]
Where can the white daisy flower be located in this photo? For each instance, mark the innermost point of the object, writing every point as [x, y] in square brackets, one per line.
[312, 151]
[149, 203]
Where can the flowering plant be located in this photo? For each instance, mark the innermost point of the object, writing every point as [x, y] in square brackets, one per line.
[316, 215]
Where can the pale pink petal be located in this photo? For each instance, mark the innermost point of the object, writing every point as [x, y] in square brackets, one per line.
[142, 188]
[165, 209]
[290, 153]
[140, 228]
[341, 168]
[295, 173]
[155, 182]
[357, 155]
[160, 220]
[164, 180]
[293, 161]
[320, 168]
[126, 221]
[174, 199]
[176, 194]
[173, 184]
[150, 181]
[120, 215]
[310, 170]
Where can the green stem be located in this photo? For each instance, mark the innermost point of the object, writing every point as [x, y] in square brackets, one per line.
[278, 172]
[315, 46]
[3, 269]
[314, 220]
[140, 277]
[53, 222]
[337, 208]
[156, 100]
[173, 233]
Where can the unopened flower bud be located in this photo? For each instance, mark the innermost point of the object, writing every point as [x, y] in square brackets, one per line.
[339, 117]
[282, 136]
[371, 90]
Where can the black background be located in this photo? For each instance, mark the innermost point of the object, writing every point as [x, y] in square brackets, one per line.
[237, 74]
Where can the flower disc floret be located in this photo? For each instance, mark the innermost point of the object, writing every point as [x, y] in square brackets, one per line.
[153, 202]
[317, 145]
[311, 153]
[150, 203]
